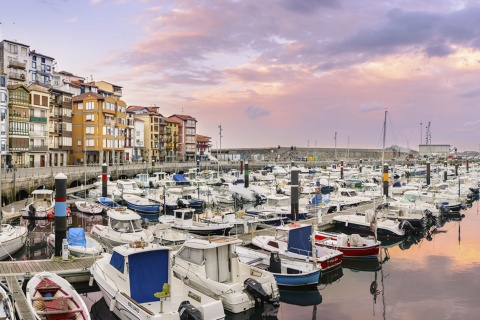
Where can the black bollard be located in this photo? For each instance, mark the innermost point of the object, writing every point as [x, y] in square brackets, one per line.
[246, 175]
[360, 166]
[445, 171]
[456, 168]
[241, 166]
[341, 169]
[104, 180]
[60, 212]
[428, 173]
[294, 193]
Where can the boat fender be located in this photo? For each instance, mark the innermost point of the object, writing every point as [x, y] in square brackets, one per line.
[189, 312]
[90, 282]
[111, 307]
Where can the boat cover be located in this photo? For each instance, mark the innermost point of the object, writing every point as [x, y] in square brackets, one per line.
[299, 240]
[317, 199]
[76, 237]
[180, 180]
[142, 266]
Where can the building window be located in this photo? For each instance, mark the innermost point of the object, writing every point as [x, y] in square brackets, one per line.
[80, 106]
[89, 105]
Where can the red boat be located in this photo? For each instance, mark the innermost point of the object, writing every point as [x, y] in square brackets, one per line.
[352, 246]
[293, 240]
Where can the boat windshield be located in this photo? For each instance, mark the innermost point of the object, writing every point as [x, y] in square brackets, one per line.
[282, 235]
[126, 225]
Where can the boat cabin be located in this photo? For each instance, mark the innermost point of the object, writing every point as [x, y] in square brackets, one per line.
[43, 197]
[183, 217]
[278, 200]
[123, 220]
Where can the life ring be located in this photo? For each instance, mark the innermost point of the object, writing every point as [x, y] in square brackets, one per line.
[317, 190]
[294, 225]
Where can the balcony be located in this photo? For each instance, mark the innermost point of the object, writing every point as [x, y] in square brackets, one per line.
[14, 132]
[38, 134]
[17, 64]
[17, 76]
[38, 119]
[38, 148]
[18, 117]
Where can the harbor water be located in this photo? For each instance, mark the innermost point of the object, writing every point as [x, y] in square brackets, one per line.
[436, 276]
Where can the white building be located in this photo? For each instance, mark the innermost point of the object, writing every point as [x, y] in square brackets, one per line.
[139, 141]
[3, 118]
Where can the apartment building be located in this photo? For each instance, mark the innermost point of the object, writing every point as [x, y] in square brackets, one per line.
[41, 68]
[187, 136]
[171, 141]
[18, 125]
[204, 146]
[154, 126]
[14, 58]
[139, 141]
[60, 127]
[38, 134]
[3, 119]
[129, 136]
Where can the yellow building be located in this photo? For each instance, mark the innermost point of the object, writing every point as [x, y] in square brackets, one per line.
[171, 140]
[98, 123]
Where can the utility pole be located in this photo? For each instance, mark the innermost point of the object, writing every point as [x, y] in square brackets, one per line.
[335, 146]
[220, 134]
[421, 138]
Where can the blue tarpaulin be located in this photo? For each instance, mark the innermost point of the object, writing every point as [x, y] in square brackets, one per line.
[76, 237]
[148, 272]
[180, 180]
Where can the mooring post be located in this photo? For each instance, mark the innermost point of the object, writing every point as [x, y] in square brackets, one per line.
[428, 173]
[60, 212]
[246, 175]
[385, 180]
[294, 194]
[104, 180]
[445, 163]
[341, 169]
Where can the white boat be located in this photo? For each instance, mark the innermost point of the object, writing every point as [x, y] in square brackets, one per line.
[364, 224]
[50, 296]
[287, 272]
[183, 220]
[112, 190]
[12, 239]
[124, 226]
[295, 241]
[129, 187]
[7, 311]
[211, 266]
[136, 281]
[38, 206]
[241, 223]
[164, 234]
[141, 204]
[89, 207]
[79, 243]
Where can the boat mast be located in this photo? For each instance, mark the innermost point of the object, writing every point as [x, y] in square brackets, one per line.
[384, 135]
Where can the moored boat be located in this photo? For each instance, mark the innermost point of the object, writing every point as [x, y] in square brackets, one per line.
[352, 246]
[131, 292]
[50, 296]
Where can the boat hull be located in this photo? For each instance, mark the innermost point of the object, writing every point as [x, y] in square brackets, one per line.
[298, 280]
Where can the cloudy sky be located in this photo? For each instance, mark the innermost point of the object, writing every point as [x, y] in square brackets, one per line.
[277, 72]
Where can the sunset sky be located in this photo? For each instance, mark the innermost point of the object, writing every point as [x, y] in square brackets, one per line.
[276, 72]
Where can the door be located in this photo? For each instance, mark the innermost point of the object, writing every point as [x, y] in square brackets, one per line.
[42, 161]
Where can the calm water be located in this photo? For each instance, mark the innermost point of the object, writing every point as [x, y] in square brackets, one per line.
[438, 278]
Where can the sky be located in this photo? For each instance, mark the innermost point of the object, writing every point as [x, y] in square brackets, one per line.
[304, 73]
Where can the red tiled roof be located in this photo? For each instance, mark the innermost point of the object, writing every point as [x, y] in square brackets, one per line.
[183, 117]
[201, 138]
[82, 96]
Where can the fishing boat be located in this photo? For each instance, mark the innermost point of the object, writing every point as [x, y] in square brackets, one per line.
[79, 243]
[164, 234]
[107, 202]
[352, 246]
[50, 296]
[7, 311]
[182, 219]
[124, 226]
[211, 266]
[12, 239]
[287, 272]
[129, 187]
[142, 204]
[364, 225]
[38, 206]
[295, 241]
[131, 292]
[241, 224]
[88, 207]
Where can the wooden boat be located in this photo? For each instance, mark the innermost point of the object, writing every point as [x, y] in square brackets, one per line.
[287, 272]
[137, 282]
[7, 311]
[79, 244]
[51, 297]
[88, 207]
[293, 240]
[212, 267]
[352, 246]
[12, 239]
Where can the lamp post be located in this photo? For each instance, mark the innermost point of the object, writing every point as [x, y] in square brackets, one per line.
[335, 138]
[112, 132]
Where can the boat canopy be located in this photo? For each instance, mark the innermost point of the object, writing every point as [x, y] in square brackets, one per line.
[299, 240]
[180, 180]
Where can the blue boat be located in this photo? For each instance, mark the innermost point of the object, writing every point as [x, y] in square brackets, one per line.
[287, 272]
[108, 202]
[141, 204]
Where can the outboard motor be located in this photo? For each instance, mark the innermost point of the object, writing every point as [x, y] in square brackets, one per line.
[275, 263]
[182, 203]
[383, 206]
[255, 289]
[189, 312]
[442, 208]
[407, 226]
[145, 222]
